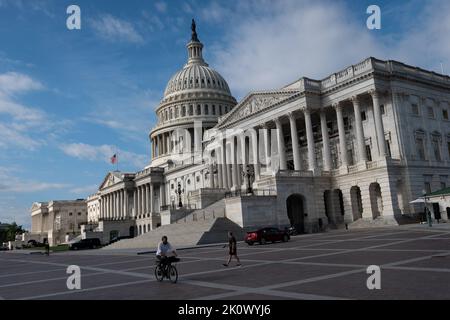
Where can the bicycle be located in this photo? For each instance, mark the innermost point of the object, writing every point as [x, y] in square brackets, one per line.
[166, 270]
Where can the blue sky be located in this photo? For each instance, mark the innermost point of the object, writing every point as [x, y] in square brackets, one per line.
[71, 99]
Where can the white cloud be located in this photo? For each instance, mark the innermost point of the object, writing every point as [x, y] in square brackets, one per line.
[268, 44]
[161, 7]
[104, 153]
[114, 29]
[187, 8]
[280, 41]
[16, 119]
[13, 82]
[11, 183]
[85, 190]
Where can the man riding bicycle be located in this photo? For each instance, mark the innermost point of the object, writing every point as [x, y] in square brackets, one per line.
[165, 253]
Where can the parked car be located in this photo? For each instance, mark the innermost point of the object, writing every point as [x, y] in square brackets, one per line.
[35, 243]
[85, 244]
[266, 235]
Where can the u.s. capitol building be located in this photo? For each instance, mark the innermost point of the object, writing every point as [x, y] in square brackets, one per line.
[355, 147]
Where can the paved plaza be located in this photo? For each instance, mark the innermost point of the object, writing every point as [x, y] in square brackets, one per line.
[414, 261]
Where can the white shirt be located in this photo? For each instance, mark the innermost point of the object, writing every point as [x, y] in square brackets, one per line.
[164, 248]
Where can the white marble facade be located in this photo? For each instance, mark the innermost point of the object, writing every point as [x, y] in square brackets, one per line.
[359, 144]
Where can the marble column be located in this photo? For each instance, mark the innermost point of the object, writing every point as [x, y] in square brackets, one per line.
[219, 168]
[234, 164]
[312, 165]
[224, 165]
[379, 123]
[151, 209]
[294, 139]
[360, 140]
[141, 201]
[108, 197]
[145, 199]
[162, 195]
[266, 146]
[281, 146]
[244, 162]
[256, 163]
[211, 175]
[341, 129]
[325, 141]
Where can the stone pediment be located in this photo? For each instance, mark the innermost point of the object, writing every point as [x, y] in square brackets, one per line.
[111, 179]
[36, 206]
[254, 103]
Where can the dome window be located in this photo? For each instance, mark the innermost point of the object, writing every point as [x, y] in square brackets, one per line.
[199, 110]
[183, 111]
[214, 110]
[191, 110]
[206, 109]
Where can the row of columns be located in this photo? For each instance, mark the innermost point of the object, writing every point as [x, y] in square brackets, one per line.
[229, 176]
[161, 144]
[114, 205]
[143, 197]
[360, 139]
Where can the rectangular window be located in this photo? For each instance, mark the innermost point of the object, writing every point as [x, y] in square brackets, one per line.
[420, 148]
[430, 112]
[363, 116]
[445, 114]
[427, 186]
[347, 126]
[443, 185]
[437, 150]
[382, 109]
[448, 146]
[369, 153]
[388, 148]
[415, 109]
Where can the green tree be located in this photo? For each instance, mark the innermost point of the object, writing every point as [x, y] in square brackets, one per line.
[9, 234]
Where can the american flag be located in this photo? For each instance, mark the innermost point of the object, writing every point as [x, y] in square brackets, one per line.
[114, 159]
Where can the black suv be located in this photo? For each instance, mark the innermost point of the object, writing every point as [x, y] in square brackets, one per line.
[86, 244]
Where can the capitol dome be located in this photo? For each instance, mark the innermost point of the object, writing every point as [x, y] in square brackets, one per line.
[195, 94]
[196, 76]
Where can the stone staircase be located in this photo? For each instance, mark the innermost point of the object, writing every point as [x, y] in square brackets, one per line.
[203, 226]
[382, 222]
[215, 210]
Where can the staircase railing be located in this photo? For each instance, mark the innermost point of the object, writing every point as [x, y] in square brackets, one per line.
[255, 192]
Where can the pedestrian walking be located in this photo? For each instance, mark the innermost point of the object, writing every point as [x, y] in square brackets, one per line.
[232, 246]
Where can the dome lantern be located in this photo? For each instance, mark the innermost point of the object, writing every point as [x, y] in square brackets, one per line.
[195, 48]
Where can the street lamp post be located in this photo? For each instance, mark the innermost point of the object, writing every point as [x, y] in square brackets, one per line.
[249, 174]
[179, 191]
[427, 211]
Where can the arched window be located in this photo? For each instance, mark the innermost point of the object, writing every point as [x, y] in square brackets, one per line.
[206, 109]
[199, 110]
